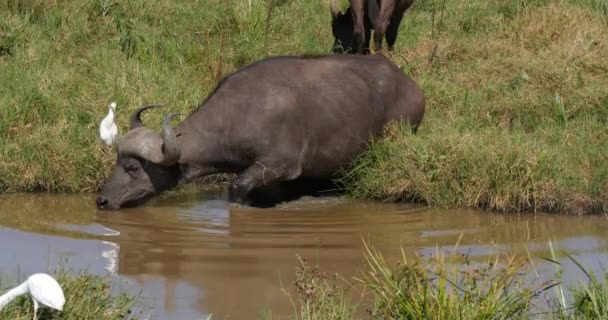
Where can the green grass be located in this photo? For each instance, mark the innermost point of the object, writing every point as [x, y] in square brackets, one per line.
[517, 92]
[589, 298]
[319, 295]
[87, 297]
[64, 62]
[449, 285]
[516, 114]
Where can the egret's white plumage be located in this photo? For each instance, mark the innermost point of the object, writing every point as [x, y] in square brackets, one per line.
[108, 131]
[43, 289]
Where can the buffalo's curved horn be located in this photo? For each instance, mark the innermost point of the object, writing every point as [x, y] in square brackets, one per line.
[333, 8]
[136, 116]
[170, 147]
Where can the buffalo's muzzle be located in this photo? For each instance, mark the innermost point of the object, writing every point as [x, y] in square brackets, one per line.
[101, 202]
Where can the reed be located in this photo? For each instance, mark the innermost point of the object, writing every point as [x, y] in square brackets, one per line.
[451, 285]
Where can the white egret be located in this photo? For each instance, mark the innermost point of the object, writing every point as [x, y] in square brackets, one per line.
[108, 131]
[43, 289]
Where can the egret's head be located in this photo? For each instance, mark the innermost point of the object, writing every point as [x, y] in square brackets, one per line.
[113, 106]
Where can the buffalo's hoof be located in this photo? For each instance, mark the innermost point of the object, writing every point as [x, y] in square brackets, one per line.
[237, 199]
[234, 195]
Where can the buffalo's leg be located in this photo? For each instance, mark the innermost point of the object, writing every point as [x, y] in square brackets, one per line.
[382, 22]
[266, 196]
[258, 176]
[368, 38]
[378, 35]
[357, 11]
[392, 30]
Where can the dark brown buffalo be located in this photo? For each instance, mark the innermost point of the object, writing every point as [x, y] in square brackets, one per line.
[273, 121]
[352, 29]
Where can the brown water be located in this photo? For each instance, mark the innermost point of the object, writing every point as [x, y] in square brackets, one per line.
[195, 255]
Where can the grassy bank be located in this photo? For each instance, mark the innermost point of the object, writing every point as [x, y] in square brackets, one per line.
[517, 111]
[448, 286]
[86, 297]
[517, 93]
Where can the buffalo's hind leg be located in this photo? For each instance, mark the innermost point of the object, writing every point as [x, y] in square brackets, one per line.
[359, 31]
[267, 196]
[259, 176]
[393, 26]
[392, 31]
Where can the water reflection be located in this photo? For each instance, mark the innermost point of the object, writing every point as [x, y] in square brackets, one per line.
[196, 255]
[112, 256]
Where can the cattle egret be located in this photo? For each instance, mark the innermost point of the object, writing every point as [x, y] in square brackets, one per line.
[43, 290]
[108, 131]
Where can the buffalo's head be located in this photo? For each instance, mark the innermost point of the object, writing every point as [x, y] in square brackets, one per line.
[147, 164]
[342, 28]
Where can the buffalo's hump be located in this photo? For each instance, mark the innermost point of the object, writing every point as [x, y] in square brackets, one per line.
[321, 109]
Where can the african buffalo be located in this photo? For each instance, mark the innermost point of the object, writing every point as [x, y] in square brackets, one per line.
[352, 29]
[272, 121]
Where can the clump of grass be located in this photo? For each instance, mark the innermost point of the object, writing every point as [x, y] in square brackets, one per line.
[7, 43]
[443, 286]
[319, 296]
[87, 297]
[448, 287]
[591, 300]
[128, 37]
[552, 171]
[588, 300]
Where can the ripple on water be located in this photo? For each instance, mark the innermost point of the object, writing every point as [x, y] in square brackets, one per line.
[200, 254]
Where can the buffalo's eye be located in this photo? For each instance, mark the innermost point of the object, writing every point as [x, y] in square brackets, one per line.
[131, 169]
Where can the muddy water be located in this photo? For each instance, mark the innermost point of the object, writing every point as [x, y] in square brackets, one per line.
[195, 255]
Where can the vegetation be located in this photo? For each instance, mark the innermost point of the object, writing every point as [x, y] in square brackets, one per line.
[320, 297]
[445, 285]
[517, 92]
[449, 286]
[517, 109]
[86, 296]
